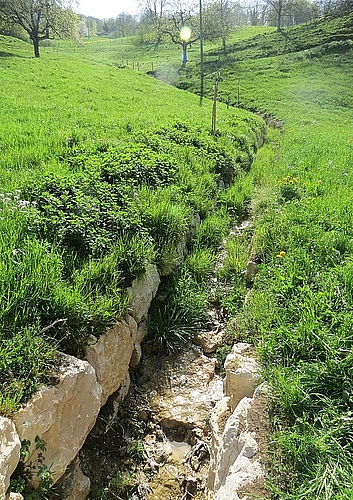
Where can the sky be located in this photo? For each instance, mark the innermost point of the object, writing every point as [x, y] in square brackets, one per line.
[102, 9]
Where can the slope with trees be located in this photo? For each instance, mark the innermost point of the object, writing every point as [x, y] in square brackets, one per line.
[40, 19]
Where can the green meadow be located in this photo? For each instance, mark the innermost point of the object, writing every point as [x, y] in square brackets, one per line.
[94, 151]
[299, 309]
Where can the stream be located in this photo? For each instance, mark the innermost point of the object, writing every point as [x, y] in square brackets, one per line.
[155, 444]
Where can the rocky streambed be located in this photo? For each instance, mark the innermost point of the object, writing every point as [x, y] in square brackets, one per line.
[165, 440]
[157, 441]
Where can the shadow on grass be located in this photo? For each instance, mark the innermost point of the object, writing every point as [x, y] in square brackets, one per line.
[7, 54]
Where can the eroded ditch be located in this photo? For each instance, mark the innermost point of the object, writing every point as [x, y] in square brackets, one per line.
[155, 445]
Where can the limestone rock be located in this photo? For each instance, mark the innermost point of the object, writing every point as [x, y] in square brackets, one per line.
[143, 291]
[209, 341]
[62, 416]
[218, 419]
[235, 469]
[141, 331]
[136, 357]
[251, 270]
[15, 496]
[181, 389]
[116, 399]
[10, 446]
[110, 357]
[242, 374]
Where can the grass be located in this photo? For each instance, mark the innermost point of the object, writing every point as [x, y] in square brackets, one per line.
[299, 309]
[103, 170]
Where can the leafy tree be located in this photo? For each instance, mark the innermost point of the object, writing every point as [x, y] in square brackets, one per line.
[218, 21]
[40, 19]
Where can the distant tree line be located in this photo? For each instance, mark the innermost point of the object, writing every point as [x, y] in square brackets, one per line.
[160, 20]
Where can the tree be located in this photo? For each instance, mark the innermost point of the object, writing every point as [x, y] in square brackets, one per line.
[153, 17]
[276, 11]
[173, 25]
[125, 25]
[40, 19]
[218, 21]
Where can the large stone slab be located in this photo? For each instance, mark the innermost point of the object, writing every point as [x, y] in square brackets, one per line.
[10, 446]
[142, 292]
[110, 356]
[62, 416]
[181, 389]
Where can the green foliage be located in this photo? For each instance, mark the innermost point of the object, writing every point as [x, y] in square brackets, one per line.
[176, 315]
[29, 471]
[25, 353]
[212, 231]
[201, 263]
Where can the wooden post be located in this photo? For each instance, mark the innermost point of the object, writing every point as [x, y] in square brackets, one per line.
[238, 93]
[214, 108]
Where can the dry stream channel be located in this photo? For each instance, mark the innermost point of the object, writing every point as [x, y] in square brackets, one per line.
[154, 445]
[157, 439]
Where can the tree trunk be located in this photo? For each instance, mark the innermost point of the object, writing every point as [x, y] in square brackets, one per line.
[224, 46]
[185, 56]
[279, 15]
[35, 45]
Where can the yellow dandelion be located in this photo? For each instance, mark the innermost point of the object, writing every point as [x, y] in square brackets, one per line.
[281, 254]
[319, 181]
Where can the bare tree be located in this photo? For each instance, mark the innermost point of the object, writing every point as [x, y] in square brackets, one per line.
[153, 17]
[173, 25]
[276, 11]
[40, 19]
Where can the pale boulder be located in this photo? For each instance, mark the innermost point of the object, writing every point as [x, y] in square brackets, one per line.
[15, 496]
[242, 374]
[110, 356]
[62, 416]
[10, 446]
[238, 466]
[142, 292]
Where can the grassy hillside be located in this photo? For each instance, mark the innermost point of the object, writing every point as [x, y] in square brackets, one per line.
[68, 119]
[102, 170]
[299, 310]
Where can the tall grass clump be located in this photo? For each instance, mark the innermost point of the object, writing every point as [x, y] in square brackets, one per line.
[176, 315]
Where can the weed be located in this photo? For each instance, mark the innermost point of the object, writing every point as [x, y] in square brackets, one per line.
[29, 472]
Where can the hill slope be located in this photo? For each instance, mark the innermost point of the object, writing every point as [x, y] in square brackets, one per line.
[299, 311]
